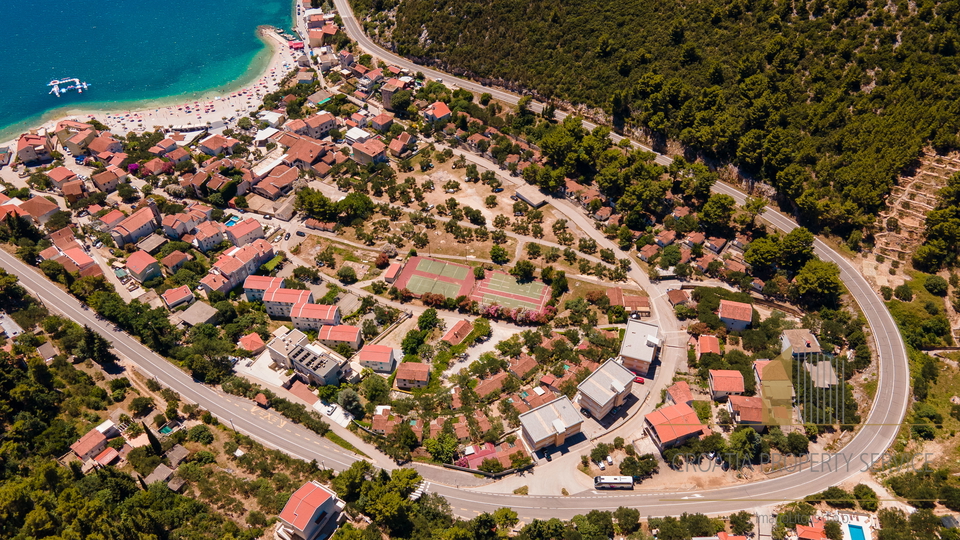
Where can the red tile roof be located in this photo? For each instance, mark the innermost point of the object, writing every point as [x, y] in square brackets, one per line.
[88, 442]
[303, 504]
[262, 283]
[709, 344]
[375, 353]
[314, 311]
[750, 409]
[286, 296]
[726, 380]
[139, 261]
[736, 311]
[413, 371]
[339, 333]
[458, 333]
[675, 422]
[680, 392]
[252, 342]
[173, 296]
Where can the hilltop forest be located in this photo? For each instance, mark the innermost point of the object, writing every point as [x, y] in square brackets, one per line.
[827, 100]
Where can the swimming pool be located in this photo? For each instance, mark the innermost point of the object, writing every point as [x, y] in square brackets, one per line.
[856, 532]
[233, 221]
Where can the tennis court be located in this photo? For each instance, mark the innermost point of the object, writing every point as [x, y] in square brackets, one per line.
[504, 290]
[420, 285]
[440, 268]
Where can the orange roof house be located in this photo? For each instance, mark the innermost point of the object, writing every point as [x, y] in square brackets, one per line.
[458, 333]
[674, 425]
[724, 382]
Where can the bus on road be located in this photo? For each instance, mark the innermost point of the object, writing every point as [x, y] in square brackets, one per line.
[613, 482]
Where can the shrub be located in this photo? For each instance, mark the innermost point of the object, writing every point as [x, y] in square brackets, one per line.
[936, 285]
[904, 293]
[201, 434]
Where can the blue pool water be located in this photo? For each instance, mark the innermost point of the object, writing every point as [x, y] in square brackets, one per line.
[128, 51]
[856, 532]
[232, 221]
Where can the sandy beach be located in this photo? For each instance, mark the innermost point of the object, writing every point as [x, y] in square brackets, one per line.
[210, 108]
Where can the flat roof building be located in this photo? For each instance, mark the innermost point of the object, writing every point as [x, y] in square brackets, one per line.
[605, 388]
[641, 345]
[550, 424]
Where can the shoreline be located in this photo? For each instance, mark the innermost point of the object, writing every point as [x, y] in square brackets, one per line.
[235, 98]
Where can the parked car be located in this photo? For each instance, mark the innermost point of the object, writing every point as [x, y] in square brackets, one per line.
[287, 237]
[585, 412]
[497, 190]
[602, 466]
[638, 380]
[609, 460]
[301, 233]
[547, 456]
[331, 409]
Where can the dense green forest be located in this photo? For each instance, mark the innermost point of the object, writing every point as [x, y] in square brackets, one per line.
[827, 100]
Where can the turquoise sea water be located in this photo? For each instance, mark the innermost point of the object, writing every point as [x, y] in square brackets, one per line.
[128, 50]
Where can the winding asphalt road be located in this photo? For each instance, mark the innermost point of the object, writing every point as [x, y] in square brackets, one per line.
[873, 438]
[875, 435]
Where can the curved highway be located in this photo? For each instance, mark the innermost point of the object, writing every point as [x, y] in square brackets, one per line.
[875, 435]
[873, 438]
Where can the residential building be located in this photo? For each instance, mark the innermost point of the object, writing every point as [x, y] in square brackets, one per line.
[799, 342]
[665, 238]
[208, 235]
[36, 146]
[648, 252]
[679, 392]
[437, 112]
[736, 316]
[139, 224]
[332, 336]
[60, 176]
[319, 125]
[308, 316]
[235, 265]
[715, 244]
[458, 332]
[175, 297]
[89, 445]
[174, 261]
[40, 209]
[312, 509]
[104, 145]
[386, 94]
[316, 363]
[605, 388]
[381, 122]
[177, 225]
[746, 410]
[678, 297]
[550, 424]
[491, 385]
[673, 425]
[74, 191]
[725, 382]
[142, 266]
[244, 232]
[108, 180]
[252, 342]
[641, 345]
[215, 145]
[522, 366]
[412, 375]
[278, 302]
[283, 344]
[379, 358]
[255, 286]
[199, 313]
[369, 151]
[706, 344]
